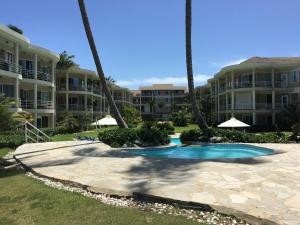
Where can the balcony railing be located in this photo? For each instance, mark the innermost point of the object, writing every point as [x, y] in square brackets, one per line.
[40, 104]
[76, 88]
[29, 74]
[8, 66]
[263, 83]
[243, 84]
[76, 107]
[44, 104]
[262, 106]
[27, 104]
[243, 106]
[44, 76]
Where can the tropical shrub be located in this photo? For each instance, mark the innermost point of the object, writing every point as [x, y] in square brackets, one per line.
[150, 135]
[11, 140]
[166, 126]
[180, 119]
[131, 116]
[223, 135]
[68, 123]
[118, 137]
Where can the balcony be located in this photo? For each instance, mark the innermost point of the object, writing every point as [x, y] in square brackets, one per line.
[263, 83]
[40, 104]
[76, 88]
[10, 67]
[263, 106]
[243, 106]
[29, 74]
[242, 84]
[76, 107]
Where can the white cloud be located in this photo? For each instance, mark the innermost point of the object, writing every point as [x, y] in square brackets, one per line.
[177, 80]
[229, 63]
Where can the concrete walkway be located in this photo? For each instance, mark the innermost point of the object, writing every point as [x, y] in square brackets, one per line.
[267, 187]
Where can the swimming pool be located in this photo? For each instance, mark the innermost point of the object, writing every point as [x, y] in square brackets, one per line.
[176, 141]
[209, 151]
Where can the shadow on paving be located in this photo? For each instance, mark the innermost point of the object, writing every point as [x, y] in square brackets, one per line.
[165, 171]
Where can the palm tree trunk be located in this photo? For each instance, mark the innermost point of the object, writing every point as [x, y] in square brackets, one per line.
[189, 65]
[88, 31]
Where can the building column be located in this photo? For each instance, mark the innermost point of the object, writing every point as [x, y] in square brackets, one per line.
[67, 90]
[53, 72]
[53, 120]
[218, 97]
[273, 96]
[232, 94]
[85, 95]
[16, 57]
[17, 88]
[253, 98]
[226, 106]
[35, 66]
[35, 103]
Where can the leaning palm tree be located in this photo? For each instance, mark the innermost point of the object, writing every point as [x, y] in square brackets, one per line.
[189, 65]
[22, 117]
[88, 31]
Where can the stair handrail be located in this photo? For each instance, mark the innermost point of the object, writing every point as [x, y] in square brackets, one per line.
[36, 134]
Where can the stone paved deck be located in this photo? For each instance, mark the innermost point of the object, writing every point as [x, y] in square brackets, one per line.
[266, 187]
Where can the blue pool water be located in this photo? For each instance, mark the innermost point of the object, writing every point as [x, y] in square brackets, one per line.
[176, 141]
[210, 151]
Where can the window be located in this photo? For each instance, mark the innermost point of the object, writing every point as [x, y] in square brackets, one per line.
[295, 76]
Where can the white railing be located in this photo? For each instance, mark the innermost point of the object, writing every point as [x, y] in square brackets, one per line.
[44, 76]
[76, 107]
[242, 84]
[40, 104]
[44, 104]
[265, 105]
[27, 74]
[243, 106]
[33, 134]
[27, 104]
[263, 83]
[8, 66]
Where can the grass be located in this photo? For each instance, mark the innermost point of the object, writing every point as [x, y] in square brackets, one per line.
[188, 127]
[4, 151]
[26, 201]
[69, 137]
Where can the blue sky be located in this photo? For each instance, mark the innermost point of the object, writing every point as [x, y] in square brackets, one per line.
[142, 42]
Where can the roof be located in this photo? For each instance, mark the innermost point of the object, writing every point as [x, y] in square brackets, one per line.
[162, 87]
[272, 60]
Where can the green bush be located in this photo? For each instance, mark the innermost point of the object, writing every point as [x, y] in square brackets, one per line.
[11, 140]
[166, 126]
[147, 135]
[118, 137]
[223, 135]
[55, 131]
[150, 135]
[180, 119]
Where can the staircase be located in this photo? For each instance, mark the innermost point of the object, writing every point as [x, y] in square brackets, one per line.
[33, 134]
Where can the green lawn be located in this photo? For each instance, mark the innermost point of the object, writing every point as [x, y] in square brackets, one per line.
[26, 201]
[188, 127]
[4, 151]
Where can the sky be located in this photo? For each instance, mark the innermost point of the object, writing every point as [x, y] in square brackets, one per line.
[141, 42]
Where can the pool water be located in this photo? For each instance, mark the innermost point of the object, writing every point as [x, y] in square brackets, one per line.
[209, 151]
[176, 141]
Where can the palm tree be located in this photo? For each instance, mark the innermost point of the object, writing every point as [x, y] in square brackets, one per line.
[22, 117]
[88, 31]
[110, 79]
[189, 65]
[66, 61]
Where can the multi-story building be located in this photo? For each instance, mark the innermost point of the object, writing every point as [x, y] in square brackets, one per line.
[256, 90]
[27, 74]
[159, 101]
[79, 91]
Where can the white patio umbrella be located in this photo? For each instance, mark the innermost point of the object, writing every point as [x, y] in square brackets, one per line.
[233, 122]
[108, 120]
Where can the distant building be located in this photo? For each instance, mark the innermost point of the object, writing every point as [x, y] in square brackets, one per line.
[159, 101]
[256, 90]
